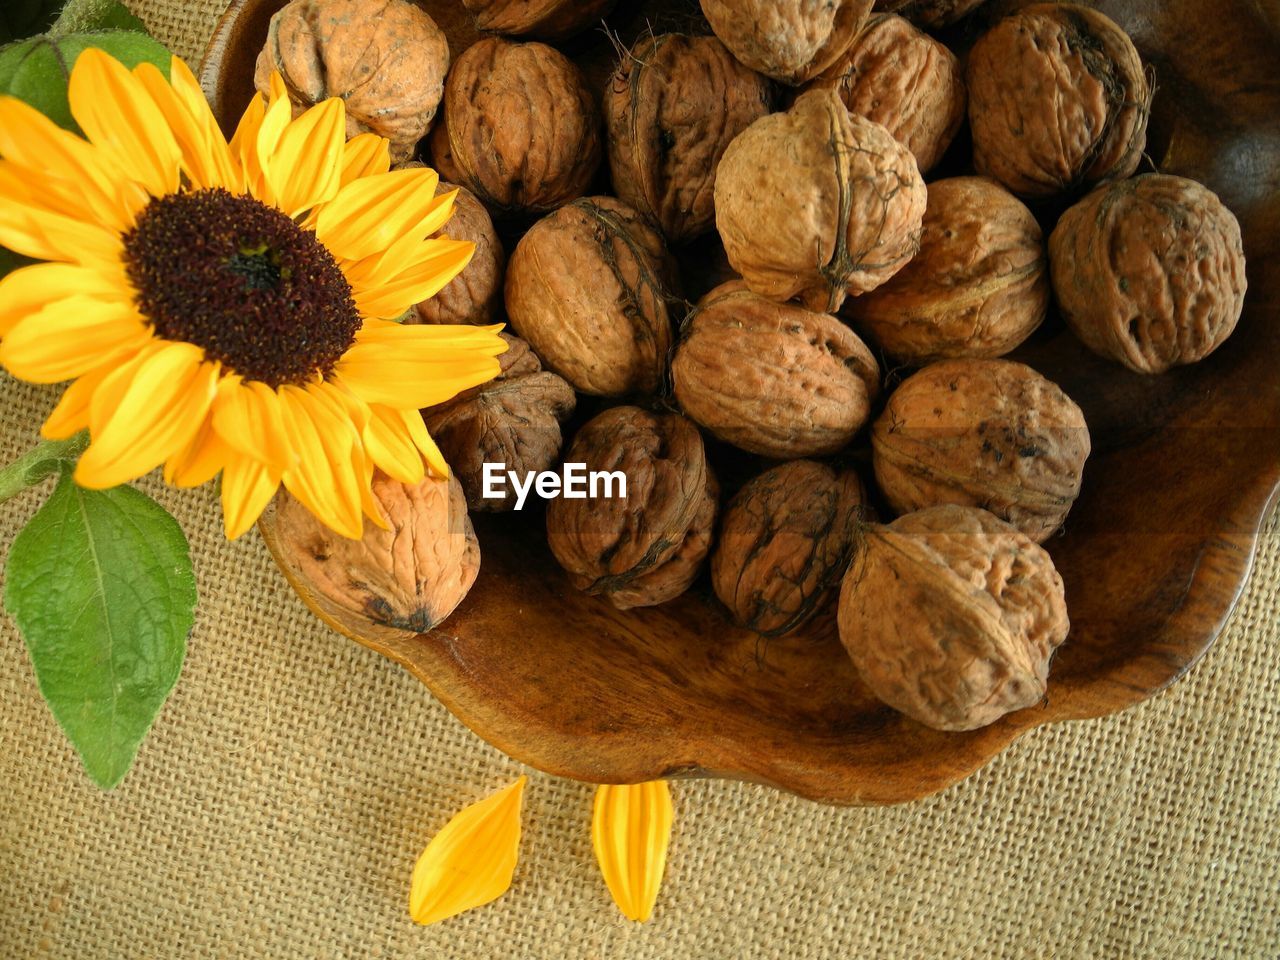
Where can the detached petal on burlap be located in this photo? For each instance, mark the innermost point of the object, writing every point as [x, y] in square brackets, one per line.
[630, 831]
[471, 861]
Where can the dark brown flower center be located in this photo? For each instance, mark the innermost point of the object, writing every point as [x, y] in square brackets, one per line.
[243, 281]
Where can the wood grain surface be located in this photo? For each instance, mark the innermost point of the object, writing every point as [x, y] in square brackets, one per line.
[1154, 555]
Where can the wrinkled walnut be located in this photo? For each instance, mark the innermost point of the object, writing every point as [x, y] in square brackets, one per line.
[929, 13]
[589, 287]
[816, 203]
[978, 287]
[773, 378]
[951, 616]
[1149, 271]
[671, 109]
[984, 433]
[385, 59]
[904, 80]
[405, 579]
[647, 547]
[789, 40]
[520, 129]
[545, 19]
[1057, 100]
[474, 295]
[513, 420]
[785, 540]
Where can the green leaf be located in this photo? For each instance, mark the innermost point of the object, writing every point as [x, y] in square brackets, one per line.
[86, 16]
[37, 70]
[101, 586]
[26, 18]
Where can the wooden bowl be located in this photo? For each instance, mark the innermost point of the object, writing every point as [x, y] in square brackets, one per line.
[1154, 555]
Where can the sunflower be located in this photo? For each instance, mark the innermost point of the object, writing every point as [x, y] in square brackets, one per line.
[229, 307]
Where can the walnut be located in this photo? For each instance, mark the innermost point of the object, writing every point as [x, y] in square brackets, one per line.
[646, 547]
[978, 287]
[904, 80]
[773, 378]
[405, 579]
[1057, 100]
[671, 109]
[789, 40]
[545, 19]
[513, 420]
[589, 288]
[475, 295]
[520, 129]
[386, 60]
[1149, 271]
[986, 433]
[929, 13]
[785, 540]
[816, 203]
[951, 616]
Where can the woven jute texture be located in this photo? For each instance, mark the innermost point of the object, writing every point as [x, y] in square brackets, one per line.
[278, 806]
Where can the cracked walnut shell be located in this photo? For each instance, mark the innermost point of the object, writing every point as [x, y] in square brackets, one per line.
[671, 109]
[788, 40]
[773, 378]
[1149, 271]
[406, 578]
[647, 547]
[986, 433]
[514, 420]
[385, 59]
[520, 129]
[951, 616]
[475, 295]
[785, 541]
[589, 287]
[904, 80]
[1058, 100]
[978, 287]
[545, 19]
[816, 203]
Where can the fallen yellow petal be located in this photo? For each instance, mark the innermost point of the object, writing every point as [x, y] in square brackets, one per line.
[630, 831]
[470, 862]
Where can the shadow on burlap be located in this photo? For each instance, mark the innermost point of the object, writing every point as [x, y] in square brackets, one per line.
[278, 806]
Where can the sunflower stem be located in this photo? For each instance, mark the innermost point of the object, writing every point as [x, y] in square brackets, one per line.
[39, 463]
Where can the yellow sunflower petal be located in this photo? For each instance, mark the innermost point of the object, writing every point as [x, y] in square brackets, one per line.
[388, 295]
[244, 142]
[28, 290]
[391, 446]
[370, 214]
[323, 477]
[274, 123]
[118, 116]
[161, 408]
[199, 460]
[630, 831]
[71, 337]
[419, 365]
[365, 155]
[206, 160]
[249, 419]
[187, 89]
[71, 415]
[471, 861]
[32, 228]
[247, 488]
[305, 166]
[83, 175]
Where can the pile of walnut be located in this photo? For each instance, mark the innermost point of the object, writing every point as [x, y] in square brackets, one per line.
[800, 132]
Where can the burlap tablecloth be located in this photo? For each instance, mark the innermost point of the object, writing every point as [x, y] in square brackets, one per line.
[278, 806]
